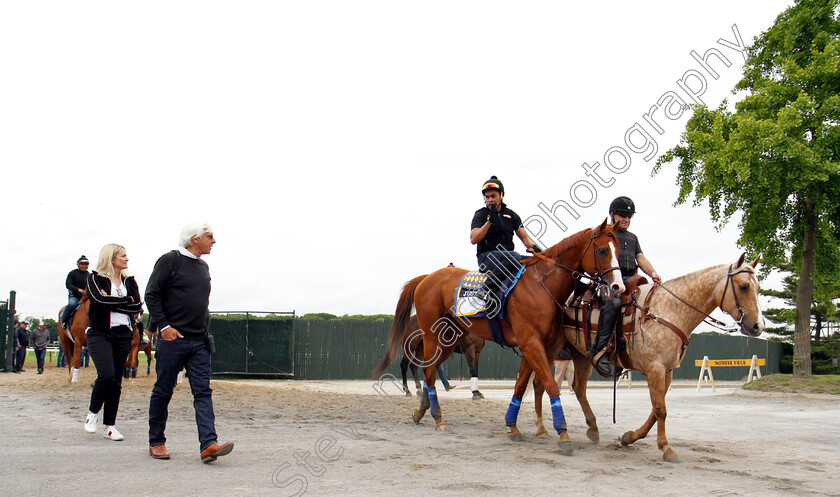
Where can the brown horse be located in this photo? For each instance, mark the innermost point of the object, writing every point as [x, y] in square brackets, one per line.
[664, 324]
[133, 359]
[531, 319]
[71, 341]
[470, 346]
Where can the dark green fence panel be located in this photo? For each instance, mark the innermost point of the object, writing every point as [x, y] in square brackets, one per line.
[724, 347]
[345, 349]
[340, 349]
[262, 346]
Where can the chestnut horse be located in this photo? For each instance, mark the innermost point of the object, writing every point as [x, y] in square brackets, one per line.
[71, 341]
[531, 317]
[133, 359]
[664, 324]
[470, 346]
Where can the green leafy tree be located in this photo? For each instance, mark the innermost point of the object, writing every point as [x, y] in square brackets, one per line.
[825, 313]
[776, 158]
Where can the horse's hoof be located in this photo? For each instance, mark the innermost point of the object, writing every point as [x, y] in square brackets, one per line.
[542, 433]
[593, 435]
[515, 434]
[408, 394]
[627, 438]
[516, 438]
[440, 426]
[477, 395]
[565, 445]
[670, 456]
[418, 415]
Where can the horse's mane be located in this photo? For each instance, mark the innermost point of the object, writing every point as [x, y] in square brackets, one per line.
[692, 275]
[563, 245]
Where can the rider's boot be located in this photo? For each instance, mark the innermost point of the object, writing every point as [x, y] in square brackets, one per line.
[607, 320]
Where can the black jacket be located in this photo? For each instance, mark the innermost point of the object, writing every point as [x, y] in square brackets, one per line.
[101, 306]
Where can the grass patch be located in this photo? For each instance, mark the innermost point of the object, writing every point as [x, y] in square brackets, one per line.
[825, 384]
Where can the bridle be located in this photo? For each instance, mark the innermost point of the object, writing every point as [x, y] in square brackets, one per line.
[716, 323]
[730, 281]
[597, 278]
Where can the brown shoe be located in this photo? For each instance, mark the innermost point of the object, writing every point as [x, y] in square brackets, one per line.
[215, 450]
[159, 452]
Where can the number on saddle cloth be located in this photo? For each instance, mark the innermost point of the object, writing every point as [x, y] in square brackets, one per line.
[468, 304]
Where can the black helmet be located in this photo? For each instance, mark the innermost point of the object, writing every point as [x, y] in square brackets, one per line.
[622, 204]
[493, 184]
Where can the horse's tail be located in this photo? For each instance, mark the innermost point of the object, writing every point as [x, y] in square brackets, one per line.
[398, 328]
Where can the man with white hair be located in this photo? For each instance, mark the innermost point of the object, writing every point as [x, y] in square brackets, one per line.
[178, 298]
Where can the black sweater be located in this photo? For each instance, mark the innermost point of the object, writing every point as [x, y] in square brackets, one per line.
[178, 295]
[101, 306]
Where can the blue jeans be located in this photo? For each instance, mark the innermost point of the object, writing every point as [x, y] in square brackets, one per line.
[72, 302]
[84, 360]
[40, 354]
[500, 263]
[60, 361]
[171, 358]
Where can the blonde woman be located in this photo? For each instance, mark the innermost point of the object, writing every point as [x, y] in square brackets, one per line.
[114, 298]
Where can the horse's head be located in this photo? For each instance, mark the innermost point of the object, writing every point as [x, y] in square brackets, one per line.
[603, 261]
[738, 297]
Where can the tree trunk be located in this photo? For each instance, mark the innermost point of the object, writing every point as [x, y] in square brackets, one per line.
[805, 296]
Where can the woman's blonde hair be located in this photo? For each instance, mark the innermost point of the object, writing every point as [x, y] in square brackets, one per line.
[105, 266]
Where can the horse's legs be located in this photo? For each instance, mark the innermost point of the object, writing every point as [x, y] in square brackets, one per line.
[434, 354]
[522, 378]
[583, 369]
[403, 369]
[535, 354]
[472, 361]
[538, 420]
[658, 383]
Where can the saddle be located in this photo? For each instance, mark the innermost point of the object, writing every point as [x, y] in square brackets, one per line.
[583, 309]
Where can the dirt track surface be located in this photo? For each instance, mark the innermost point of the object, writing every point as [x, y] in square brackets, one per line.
[730, 443]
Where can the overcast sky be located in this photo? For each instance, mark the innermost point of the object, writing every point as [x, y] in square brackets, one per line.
[338, 148]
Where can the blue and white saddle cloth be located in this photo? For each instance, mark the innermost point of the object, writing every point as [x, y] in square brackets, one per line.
[469, 305]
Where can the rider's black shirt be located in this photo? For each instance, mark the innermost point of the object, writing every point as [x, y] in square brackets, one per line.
[500, 234]
[76, 279]
[628, 247]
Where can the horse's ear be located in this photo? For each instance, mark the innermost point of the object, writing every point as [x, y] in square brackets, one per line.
[741, 260]
[603, 225]
[755, 262]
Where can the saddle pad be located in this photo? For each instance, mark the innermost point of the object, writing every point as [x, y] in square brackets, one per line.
[467, 304]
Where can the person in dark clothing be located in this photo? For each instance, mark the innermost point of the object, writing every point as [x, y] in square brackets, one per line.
[40, 340]
[76, 283]
[21, 342]
[630, 257]
[491, 231]
[178, 298]
[114, 298]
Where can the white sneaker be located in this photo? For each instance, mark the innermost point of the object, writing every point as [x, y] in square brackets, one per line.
[90, 423]
[112, 433]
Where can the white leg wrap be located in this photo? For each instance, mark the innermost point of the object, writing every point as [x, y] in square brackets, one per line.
[75, 378]
[474, 383]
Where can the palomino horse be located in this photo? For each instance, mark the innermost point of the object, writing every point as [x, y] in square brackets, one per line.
[133, 359]
[470, 346]
[531, 318]
[668, 316]
[71, 341]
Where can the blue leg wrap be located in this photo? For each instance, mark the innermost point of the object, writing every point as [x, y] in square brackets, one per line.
[424, 399]
[434, 403]
[557, 414]
[513, 411]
